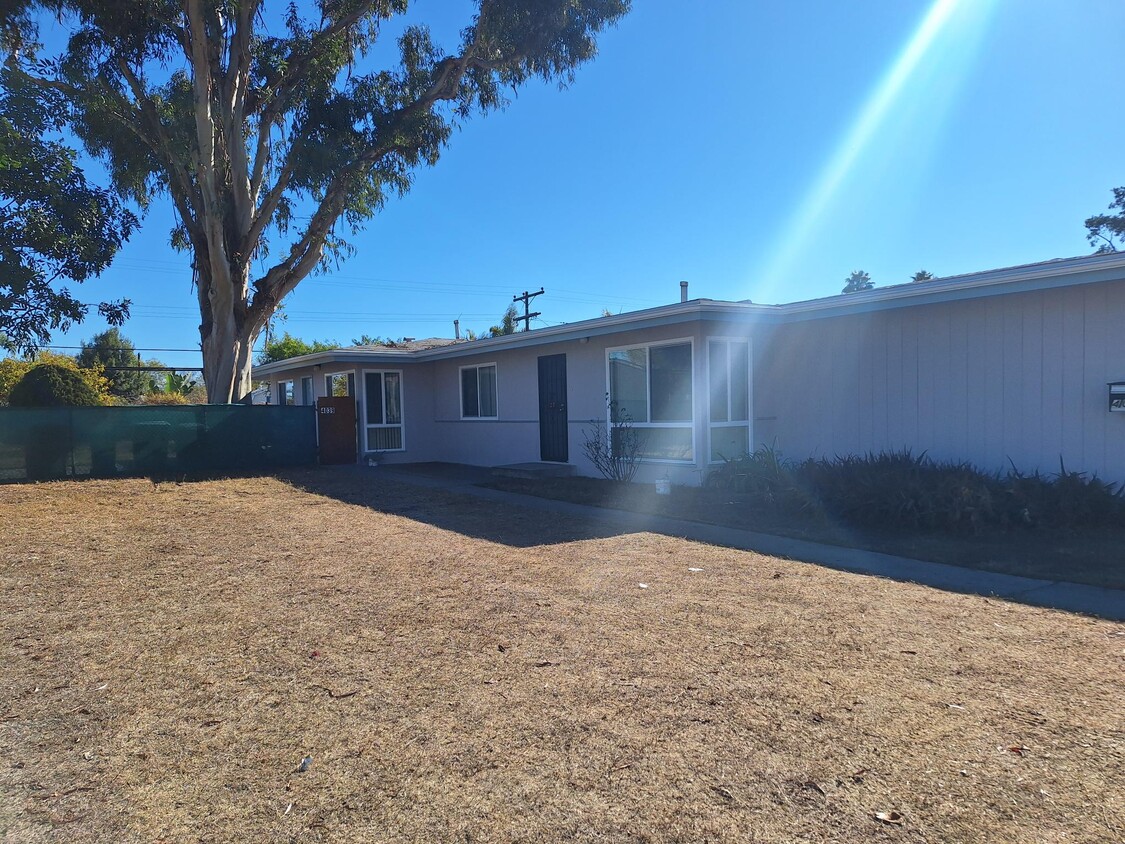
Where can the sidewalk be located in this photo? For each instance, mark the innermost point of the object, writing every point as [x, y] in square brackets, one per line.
[1072, 597]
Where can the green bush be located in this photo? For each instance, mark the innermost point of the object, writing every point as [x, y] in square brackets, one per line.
[50, 385]
[899, 491]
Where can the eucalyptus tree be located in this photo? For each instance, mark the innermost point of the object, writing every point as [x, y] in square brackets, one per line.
[55, 227]
[272, 128]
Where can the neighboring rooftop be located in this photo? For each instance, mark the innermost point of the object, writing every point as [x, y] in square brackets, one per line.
[407, 344]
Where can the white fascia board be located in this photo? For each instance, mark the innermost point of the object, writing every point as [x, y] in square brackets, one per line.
[332, 356]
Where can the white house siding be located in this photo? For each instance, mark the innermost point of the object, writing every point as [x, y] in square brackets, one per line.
[1015, 379]
[417, 403]
[514, 436]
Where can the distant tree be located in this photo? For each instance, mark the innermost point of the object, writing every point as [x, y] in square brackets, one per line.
[54, 226]
[369, 340]
[922, 275]
[606, 312]
[1105, 230]
[287, 346]
[507, 326]
[507, 323]
[110, 350]
[858, 281]
[13, 369]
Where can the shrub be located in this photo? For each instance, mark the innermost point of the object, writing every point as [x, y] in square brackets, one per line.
[900, 491]
[614, 449]
[12, 370]
[165, 399]
[50, 385]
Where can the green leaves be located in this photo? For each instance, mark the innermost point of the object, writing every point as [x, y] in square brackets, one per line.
[288, 346]
[54, 225]
[1105, 231]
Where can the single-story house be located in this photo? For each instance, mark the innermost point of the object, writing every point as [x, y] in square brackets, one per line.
[1006, 367]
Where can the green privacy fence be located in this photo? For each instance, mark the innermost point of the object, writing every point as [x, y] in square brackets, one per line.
[42, 443]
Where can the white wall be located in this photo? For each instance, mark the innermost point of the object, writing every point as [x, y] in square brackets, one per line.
[514, 436]
[1018, 378]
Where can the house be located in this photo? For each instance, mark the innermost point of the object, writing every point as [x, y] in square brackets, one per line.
[1006, 367]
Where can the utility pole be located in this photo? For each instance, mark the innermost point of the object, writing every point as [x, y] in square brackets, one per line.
[527, 316]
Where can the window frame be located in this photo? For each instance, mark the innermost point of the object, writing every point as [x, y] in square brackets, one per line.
[401, 424]
[281, 392]
[308, 397]
[345, 372]
[461, 394]
[691, 424]
[748, 423]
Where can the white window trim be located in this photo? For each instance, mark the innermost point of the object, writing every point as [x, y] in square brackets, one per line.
[281, 392]
[678, 341]
[461, 395]
[748, 423]
[345, 373]
[383, 398]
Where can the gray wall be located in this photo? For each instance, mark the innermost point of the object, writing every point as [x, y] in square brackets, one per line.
[514, 436]
[1019, 377]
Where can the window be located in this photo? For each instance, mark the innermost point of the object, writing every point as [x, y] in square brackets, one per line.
[339, 384]
[285, 392]
[478, 391]
[652, 387]
[307, 396]
[382, 410]
[729, 382]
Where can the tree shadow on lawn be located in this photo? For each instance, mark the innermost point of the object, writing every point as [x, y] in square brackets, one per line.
[492, 516]
[469, 515]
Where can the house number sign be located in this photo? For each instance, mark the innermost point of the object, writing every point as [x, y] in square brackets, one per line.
[1117, 397]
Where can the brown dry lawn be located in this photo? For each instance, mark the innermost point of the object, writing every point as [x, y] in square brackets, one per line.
[467, 673]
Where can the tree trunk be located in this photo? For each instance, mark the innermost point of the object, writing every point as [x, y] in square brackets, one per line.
[227, 360]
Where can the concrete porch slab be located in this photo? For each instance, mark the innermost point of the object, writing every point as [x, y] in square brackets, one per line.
[535, 471]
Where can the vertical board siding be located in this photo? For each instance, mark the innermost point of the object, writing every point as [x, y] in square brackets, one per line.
[1014, 379]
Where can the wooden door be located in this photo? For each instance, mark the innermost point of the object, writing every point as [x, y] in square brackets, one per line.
[335, 426]
[553, 433]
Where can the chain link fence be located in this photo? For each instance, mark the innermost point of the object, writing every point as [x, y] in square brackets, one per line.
[103, 442]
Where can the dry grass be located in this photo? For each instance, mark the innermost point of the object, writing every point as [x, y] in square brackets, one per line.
[460, 672]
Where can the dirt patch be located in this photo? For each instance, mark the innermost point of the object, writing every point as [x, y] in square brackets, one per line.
[458, 671]
[1089, 555]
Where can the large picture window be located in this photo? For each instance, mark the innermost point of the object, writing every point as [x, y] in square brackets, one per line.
[652, 387]
[382, 410]
[478, 391]
[728, 367]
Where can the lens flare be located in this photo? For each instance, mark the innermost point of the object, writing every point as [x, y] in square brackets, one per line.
[889, 92]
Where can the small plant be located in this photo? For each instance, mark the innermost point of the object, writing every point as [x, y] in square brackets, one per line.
[614, 449]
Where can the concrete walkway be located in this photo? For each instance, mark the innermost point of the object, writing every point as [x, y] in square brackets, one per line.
[1073, 597]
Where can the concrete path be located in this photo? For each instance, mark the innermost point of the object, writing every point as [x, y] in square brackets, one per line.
[1073, 597]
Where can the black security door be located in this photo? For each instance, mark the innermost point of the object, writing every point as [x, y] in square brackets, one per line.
[552, 409]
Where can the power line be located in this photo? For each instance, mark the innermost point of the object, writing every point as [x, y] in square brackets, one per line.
[124, 349]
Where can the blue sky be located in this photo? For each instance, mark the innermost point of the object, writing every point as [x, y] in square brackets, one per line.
[758, 150]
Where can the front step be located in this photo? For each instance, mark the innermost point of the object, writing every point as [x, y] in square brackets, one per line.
[535, 471]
